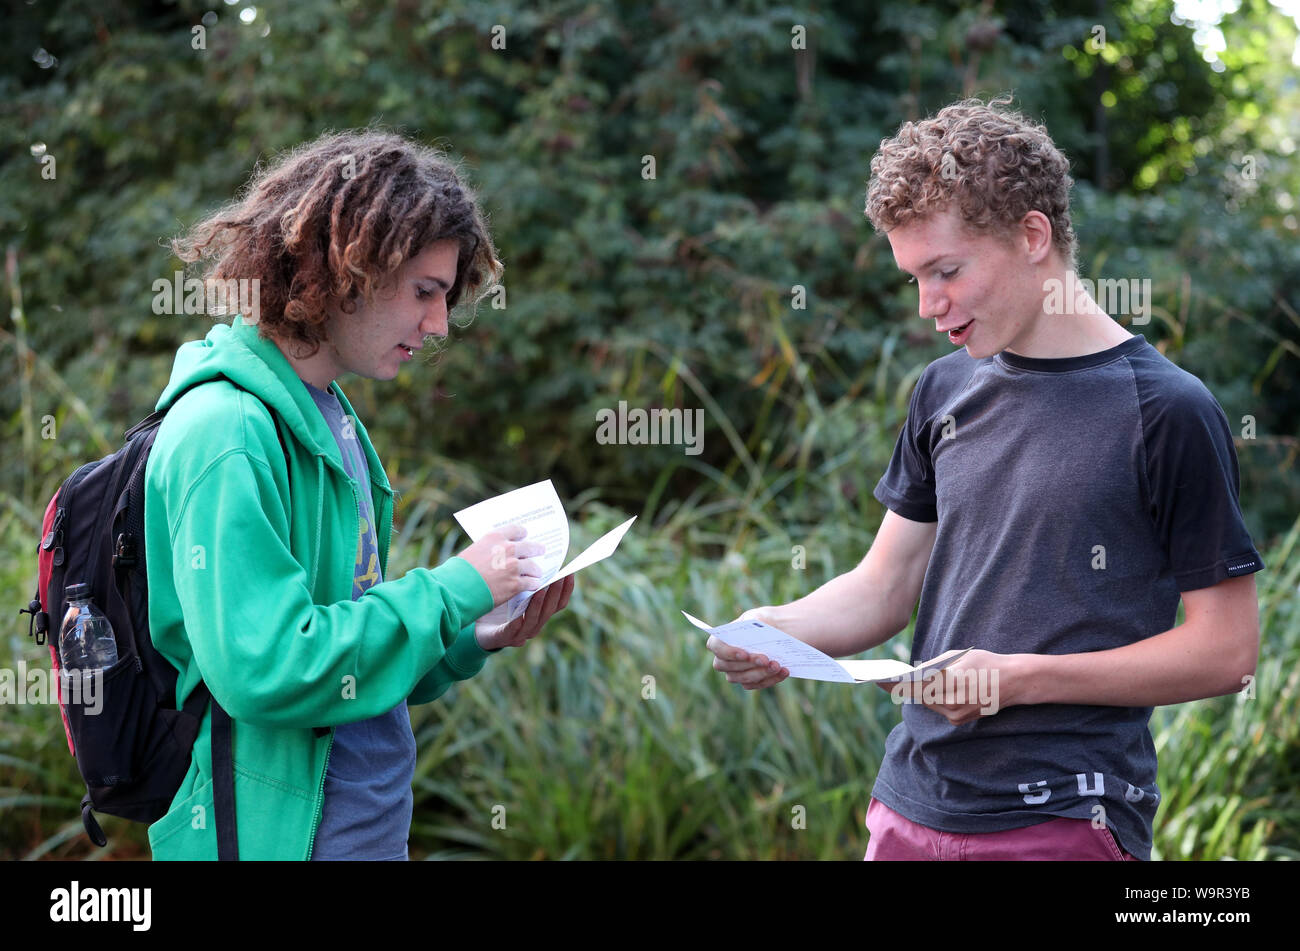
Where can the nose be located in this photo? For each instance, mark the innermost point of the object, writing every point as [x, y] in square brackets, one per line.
[435, 320]
[933, 303]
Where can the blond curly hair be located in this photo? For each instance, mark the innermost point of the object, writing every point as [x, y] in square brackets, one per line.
[994, 165]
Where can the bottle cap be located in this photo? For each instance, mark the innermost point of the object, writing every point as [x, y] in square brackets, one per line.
[79, 590]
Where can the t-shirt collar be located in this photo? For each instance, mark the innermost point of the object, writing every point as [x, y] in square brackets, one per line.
[1066, 364]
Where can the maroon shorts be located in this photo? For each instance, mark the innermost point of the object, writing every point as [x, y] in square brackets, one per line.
[895, 837]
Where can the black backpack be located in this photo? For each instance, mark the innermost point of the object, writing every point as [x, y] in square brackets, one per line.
[134, 751]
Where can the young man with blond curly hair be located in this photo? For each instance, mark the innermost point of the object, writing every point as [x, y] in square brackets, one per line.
[1057, 487]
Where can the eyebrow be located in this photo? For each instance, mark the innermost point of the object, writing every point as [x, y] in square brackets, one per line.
[437, 280]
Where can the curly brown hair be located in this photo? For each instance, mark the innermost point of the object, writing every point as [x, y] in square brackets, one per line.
[995, 165]
[330, 221]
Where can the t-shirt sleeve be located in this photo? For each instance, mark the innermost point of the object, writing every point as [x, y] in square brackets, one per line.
[907, 487]
[1194, 481]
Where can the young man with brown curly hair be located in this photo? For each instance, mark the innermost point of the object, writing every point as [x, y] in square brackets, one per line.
[1057, 487]
[268, 513]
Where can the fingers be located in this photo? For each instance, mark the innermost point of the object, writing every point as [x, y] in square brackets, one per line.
[522, 550]
[544, 603]
[759, 662]
[513, 532]
[518, 556]
[762, 672]
[751, 671]
[772, 673]
[553, 594]
[530, 569]
[770, 681]
[724, 650]
[541, 607]
[513, 559]
[568, 590]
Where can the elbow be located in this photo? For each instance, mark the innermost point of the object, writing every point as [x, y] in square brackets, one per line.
[1244, 684]
[278, 702]
[1243, 668]
[899, 622]
[1245, 680]
[246, 704]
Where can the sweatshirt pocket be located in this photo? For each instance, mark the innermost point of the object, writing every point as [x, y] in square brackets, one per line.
[188, 830]
[275, 821]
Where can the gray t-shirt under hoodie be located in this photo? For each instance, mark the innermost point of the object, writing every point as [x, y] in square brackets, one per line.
[1075, 499]
[368, 800]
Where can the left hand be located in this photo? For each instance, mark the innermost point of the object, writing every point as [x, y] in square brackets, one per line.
[992, 687]
[516, 633]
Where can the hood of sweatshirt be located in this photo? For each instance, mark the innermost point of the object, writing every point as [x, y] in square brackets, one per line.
[239, 354]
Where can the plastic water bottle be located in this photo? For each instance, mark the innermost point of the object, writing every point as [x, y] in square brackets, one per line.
[86, 639]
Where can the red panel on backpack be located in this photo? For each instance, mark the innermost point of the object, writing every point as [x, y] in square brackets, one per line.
[44, 565]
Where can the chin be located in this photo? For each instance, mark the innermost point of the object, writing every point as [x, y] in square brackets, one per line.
[982, 350]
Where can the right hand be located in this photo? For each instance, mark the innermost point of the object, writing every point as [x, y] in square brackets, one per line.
[503, 561]
[752, 671]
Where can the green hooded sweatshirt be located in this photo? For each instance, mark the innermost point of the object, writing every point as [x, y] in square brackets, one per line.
[250, 585]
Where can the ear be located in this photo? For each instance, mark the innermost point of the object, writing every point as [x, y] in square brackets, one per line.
[1036, 237]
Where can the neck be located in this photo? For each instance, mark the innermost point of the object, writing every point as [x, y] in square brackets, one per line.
[318, 369]
[1070, 323]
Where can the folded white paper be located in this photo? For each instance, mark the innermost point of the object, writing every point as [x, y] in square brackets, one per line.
[537, 508]
[807, 662]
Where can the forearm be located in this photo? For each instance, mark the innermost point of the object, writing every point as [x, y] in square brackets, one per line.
[1192, 661]
[267, 651]
[464, 659]
[847, 615]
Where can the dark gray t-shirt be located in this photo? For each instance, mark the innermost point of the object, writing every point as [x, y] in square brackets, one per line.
[1075, 499]
[368, 799]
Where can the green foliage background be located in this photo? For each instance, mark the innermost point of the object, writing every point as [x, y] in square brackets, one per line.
[674, 291]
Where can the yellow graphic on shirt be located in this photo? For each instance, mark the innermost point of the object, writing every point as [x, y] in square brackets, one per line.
[371, 577]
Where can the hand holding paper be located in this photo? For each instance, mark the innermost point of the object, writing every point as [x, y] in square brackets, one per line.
[492, 635]
[537, 509]
[807, 662]
[504, 562]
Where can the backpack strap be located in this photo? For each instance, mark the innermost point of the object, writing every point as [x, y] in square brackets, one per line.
[223, 785]
[93, 831]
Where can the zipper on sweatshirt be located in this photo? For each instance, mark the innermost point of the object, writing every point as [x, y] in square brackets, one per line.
[320, 790]
[388, 502]
[320, 798]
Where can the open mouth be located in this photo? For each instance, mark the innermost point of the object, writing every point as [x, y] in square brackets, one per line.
[958, 335]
